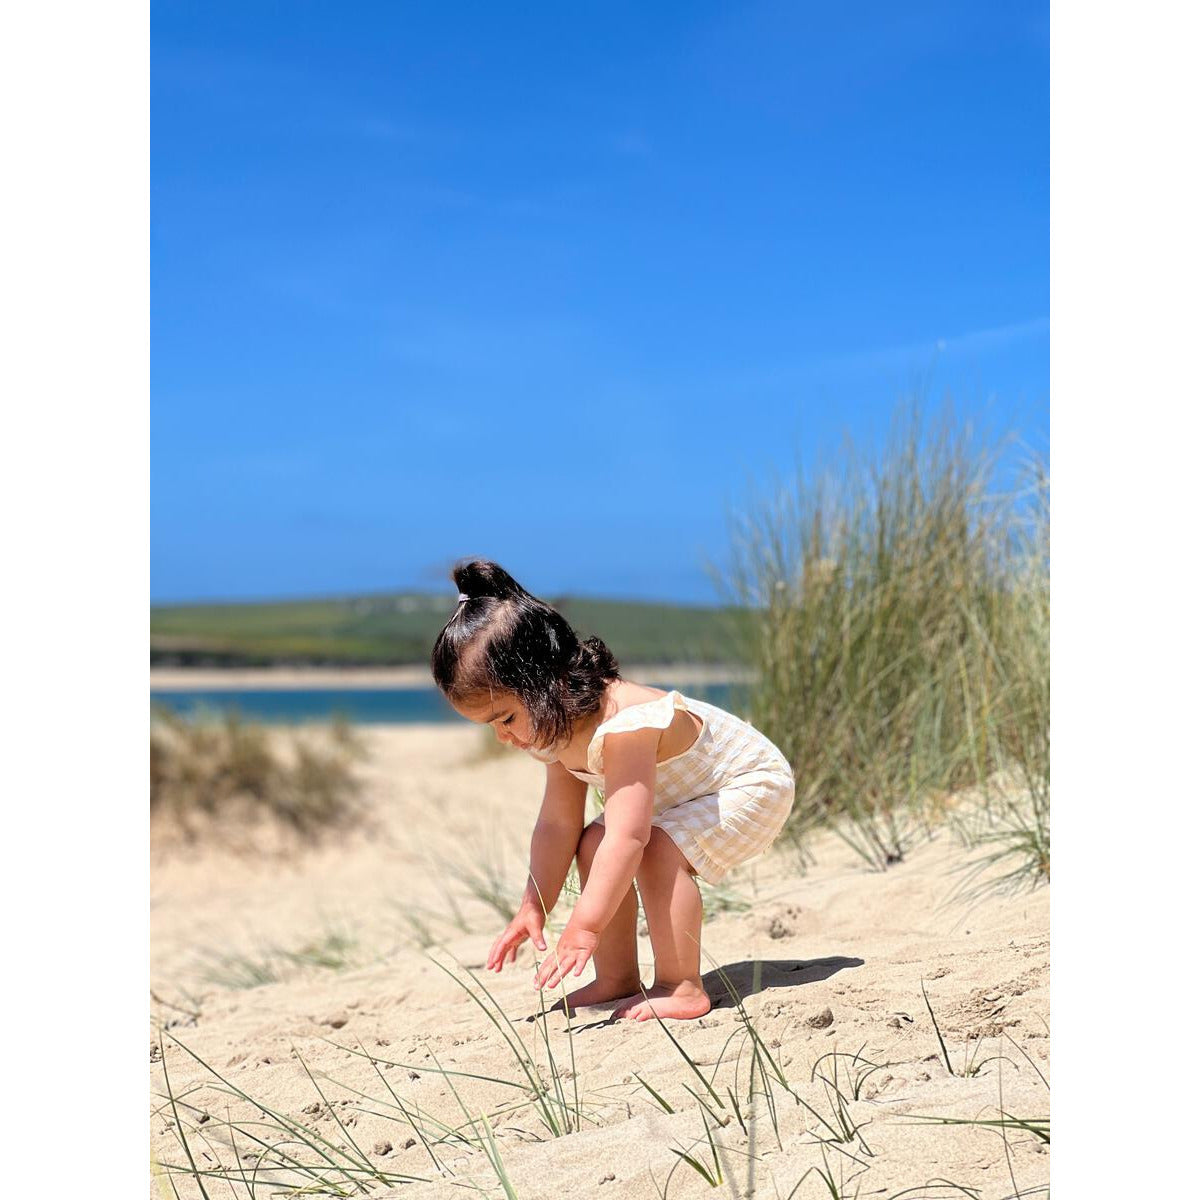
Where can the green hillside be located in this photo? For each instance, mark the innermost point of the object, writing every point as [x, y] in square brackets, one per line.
[399, 629]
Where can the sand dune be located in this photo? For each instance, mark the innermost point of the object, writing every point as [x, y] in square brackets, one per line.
[828, 960]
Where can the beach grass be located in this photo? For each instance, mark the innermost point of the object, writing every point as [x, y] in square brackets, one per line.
[481, 873]
[265, 1151]
[719, 898]
[902, 634]
[831, 1183]
[272, 1153]
[557, 1101]
[857, 1069]
[286, 1153]
[219, 773]
[1008, 835]
[332, 949]
[972, 1064]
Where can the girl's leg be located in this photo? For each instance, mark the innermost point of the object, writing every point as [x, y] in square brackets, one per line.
[615, 959]
[673, 913]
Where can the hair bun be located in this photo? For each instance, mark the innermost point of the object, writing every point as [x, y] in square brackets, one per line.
[596, 656]
[482, 577]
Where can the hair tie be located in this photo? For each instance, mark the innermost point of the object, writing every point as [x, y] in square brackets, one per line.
[463, 596]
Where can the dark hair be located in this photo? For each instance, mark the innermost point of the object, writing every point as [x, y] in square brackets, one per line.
[500, 638]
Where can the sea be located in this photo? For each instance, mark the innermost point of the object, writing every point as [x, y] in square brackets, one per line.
[371, 706]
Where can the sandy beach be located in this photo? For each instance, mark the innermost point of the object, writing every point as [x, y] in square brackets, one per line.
[352, 1023]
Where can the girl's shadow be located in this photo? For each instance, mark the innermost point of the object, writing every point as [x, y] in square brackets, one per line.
[753, 976]
[747, 979]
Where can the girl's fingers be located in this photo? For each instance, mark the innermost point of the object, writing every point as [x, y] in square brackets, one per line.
[560, 968]
[504, 945]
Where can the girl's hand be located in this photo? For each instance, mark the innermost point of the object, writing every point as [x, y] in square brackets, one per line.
[527, 924]
[574, 949]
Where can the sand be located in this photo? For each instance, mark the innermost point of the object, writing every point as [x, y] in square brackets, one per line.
[843, 953]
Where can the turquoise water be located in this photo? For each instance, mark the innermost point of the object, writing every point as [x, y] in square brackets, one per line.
[391, 706]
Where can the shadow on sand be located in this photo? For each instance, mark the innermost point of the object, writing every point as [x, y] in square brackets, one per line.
[747, 979]
[751, 977]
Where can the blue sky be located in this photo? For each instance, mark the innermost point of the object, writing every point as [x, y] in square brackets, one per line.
[556, 284]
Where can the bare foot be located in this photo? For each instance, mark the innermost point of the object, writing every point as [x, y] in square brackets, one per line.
[600, 991]
[682, 1001]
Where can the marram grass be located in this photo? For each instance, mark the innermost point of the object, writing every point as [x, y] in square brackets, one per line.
[902, 636]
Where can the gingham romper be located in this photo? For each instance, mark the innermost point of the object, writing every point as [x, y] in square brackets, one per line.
[723, 800]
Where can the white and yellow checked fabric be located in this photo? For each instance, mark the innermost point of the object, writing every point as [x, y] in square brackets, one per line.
[722, 801]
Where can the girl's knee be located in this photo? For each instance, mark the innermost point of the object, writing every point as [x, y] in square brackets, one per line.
[661, 854]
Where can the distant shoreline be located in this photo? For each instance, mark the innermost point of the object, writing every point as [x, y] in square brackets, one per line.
[184, 679]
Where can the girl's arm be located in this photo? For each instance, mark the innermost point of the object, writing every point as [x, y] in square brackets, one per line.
[629, 773]
[552, 847]
[555, 837]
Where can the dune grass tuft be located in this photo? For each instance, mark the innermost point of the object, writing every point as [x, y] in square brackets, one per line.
[972, 1063]
[834, 1185]
[270, 1153]
[482, 874]
[206, 770]
[901, 639]
[331, 950]
[721, 898]
[557, 1102]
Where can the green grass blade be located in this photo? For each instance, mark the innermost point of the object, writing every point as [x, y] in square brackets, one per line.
[179, 1124]
[941, 1040]
[662, 1103]
[514, 1043]
[687, 1058]
[496, 1160]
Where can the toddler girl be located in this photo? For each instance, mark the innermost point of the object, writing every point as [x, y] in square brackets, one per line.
[688, 790]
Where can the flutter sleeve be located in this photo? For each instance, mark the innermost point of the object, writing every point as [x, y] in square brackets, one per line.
[654, 714]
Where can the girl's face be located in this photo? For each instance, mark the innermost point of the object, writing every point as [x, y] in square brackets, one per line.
[505, 714]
